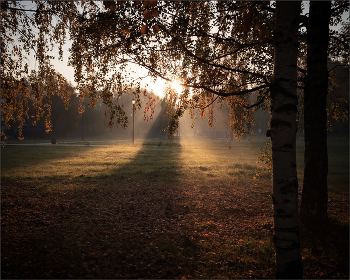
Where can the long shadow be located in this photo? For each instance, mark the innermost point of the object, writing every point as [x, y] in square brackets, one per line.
[156, 160]
[124, 225]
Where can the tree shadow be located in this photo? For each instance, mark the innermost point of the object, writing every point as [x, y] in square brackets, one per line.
[326, 245]
[126, 223]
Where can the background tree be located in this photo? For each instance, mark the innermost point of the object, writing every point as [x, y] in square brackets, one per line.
[315, 194]
[32, 31]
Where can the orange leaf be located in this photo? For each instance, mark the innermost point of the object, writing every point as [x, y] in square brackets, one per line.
[262, 33]
[107, 4]
[155, 28]
[154, 12]
[145, 3]
[257, 26]
[147, 14]
[144, 29]
[152, 3]
[137, 2]
[112, 7]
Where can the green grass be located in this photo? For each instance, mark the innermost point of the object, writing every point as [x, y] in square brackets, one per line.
[181, 209]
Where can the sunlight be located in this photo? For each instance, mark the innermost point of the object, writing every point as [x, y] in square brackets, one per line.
[175, 85]
[158, 87]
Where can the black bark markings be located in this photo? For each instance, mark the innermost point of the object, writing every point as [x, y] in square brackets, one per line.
[286, 108]
[277, 123]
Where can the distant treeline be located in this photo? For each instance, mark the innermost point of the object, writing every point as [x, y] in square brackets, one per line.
[69, 123]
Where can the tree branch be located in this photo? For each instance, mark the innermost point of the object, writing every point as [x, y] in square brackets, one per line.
[25, 10]
[301, 70]
[334, 67]
[219, 93]
[212, 64]
[206, 106]
[340, 7]
[346, 45]
[260, 101]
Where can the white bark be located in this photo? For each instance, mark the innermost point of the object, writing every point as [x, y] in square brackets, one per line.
[283, 136]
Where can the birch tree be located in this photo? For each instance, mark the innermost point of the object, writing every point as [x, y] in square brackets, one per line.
[315, 194]
[283, 135]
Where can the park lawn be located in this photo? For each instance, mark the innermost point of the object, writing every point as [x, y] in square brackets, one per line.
[157, 209]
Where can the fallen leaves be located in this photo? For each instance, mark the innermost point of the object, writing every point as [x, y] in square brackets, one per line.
[136, 229]
[159, 225]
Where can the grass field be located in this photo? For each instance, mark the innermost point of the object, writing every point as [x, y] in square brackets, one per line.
[175, 209]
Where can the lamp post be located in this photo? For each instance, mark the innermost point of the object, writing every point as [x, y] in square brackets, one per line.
[82, 124]
[133, 120]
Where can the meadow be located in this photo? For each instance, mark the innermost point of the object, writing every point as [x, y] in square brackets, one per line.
[157, 209]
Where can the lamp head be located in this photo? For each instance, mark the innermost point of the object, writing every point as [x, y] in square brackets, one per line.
[133, 101]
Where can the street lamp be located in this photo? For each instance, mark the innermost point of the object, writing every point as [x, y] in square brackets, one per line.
[82, 124]
[133, 120]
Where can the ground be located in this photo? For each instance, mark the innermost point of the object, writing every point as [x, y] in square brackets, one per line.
[176, 210]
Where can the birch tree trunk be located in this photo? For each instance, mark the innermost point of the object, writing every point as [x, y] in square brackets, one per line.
[314, 197]
[283, 136]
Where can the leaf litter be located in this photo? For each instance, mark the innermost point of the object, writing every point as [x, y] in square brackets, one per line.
[89, 228]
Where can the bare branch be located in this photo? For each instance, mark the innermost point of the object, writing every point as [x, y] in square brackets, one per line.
[301, 70]
[260, 101]
[206, 106]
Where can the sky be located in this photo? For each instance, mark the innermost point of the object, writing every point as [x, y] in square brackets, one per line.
[68, 71]
[157, 87]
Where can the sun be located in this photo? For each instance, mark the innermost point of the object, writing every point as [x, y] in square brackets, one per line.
[159, 86]
[176, 86]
